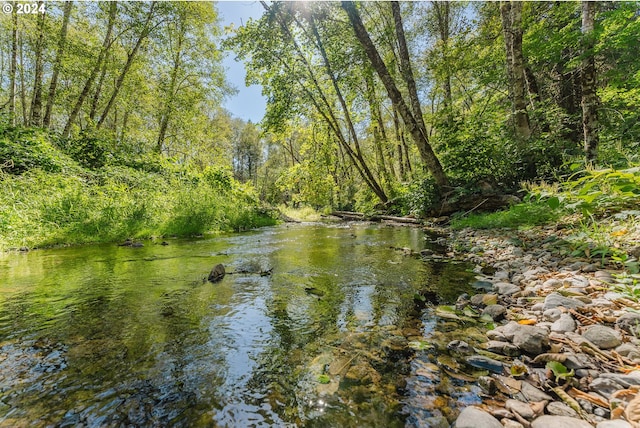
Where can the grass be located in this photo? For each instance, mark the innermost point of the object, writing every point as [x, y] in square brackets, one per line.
[53, 200]
[524, 215]
[303, 213]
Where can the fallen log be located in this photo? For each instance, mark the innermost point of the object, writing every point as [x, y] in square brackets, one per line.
[408, 220]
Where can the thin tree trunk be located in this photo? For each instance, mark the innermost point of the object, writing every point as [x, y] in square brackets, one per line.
[36, 99]
[23, 83]
[168, 108]
[511, 14]
[13, 67]
[377, 125]
[106, 44]
[588, 83]
[62, 43]
[378, 190]
[415, 124]
[442, 10]
[130, 57]
[98, 91]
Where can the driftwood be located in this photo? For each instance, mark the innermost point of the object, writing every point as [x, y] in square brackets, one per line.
[350, 215]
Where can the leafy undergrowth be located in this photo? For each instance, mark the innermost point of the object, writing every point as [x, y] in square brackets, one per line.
[516, 216]
[52, 196]
[596, 213]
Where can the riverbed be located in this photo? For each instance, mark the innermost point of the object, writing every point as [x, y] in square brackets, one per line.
[313, 325]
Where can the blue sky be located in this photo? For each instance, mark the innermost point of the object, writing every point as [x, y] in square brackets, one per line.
[248, 104]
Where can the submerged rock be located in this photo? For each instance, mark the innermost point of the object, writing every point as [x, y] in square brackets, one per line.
[217, 273]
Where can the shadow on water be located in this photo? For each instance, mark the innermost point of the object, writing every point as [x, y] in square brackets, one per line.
[113, 336]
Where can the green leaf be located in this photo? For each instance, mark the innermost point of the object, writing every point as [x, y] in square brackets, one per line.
[324, 379]
[559, 370]
[554, 202]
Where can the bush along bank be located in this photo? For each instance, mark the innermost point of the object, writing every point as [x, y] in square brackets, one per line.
[564, 349]
[55, 192]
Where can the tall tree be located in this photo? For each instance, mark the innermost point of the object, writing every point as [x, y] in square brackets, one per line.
[588, 82]
[13, 66]
[36, 99]
[511, 13]
[106, 44]
[57, 63]
[145, 30]
[409, 115]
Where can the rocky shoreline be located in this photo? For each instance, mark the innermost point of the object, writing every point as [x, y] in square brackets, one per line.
[565, 348]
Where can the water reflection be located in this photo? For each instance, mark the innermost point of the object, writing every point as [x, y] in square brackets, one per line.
[106, 335]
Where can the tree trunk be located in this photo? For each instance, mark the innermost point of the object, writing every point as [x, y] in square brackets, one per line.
[23, 83]
[146, 29]
[442, 10]
[511, 14]
[36, 99]
[98, 91]
[375, 186]
[168, 108]
[13, 67]
[106, 44]
[588, 83]
[415, 125]
[62, 42]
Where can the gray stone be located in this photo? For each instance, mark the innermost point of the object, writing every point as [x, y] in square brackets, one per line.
[510, 423]
[552, 283]
[629, 351]
[563, 324]
[555, 300]
[605, 386]
[531, 393]
[472, 417]
[477, 300]
[523, 409]
[629, 322]
[496, 312]
[502, 348]
[617, 423]
[626, 380]
[459, 346]
[552, 315]
[531, 339]
[506, 288]
[495, 335]
[551, 421]
[578, 361]
[560, 409]
[602, 336]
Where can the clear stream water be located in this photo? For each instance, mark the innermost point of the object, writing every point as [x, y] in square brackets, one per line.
[117, 336]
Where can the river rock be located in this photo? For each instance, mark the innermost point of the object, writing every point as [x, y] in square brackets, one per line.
[496, 312]
[626, 380]
[485, 363]
[629, 322]
[618, 423]
[502, 348]
[563, 324]
[629, 351]
[605, 386]
[472, 417]
[217, 273]
[510, 423]
[602, 336]
[523, 409]
[560, 409]
[531, 393]
[531, 339]
[506, 288]
[549, 421]
[555, 300]
[552, 314]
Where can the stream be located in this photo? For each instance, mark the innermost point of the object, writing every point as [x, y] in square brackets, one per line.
[117, 336]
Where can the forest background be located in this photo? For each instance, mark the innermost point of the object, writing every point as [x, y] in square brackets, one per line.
[112, 125]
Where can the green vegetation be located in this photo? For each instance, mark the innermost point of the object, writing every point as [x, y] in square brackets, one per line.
[516, 216]
[53, 191]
